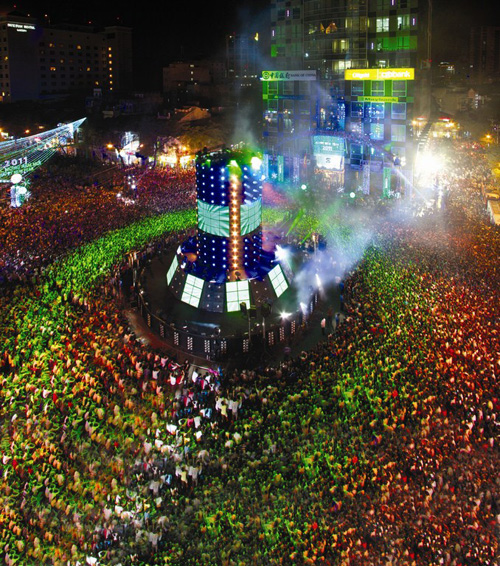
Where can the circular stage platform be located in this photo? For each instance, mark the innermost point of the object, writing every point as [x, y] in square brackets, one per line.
[217, 336]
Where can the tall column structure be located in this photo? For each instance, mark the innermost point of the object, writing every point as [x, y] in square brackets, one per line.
[225, 264]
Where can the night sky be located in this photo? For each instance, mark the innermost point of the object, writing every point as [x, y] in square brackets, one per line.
[162, 32]
[175, 30]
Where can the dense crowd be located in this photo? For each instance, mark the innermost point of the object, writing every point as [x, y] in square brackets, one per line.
[378, 446]
[73, 203]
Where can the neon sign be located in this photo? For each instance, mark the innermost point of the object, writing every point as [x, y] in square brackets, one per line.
[379, 74]
[306, 75]
[378, 99]
[21, 27]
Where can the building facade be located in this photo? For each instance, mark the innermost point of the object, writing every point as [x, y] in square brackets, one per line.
[358, 75]
[40, 61]
[484, 53]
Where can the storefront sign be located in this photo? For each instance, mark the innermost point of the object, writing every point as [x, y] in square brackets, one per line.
[379, 74]
[20, 27]
[306, 75]
[378, 99]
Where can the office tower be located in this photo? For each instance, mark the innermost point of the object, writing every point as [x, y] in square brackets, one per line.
[40, 60]
[347, 79]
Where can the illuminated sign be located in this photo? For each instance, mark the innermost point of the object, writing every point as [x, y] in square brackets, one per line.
[329, 152]
[21, 27]
[328, 144]
[21, 165]
[306, 75]
[378, 99]
[379, 74]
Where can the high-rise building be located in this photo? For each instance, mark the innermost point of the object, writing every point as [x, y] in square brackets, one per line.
[347, 79]
[39, 60]
[484, 53]
[243, 57]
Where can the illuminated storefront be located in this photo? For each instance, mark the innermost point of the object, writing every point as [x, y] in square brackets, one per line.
[289, 109]
[380, 103]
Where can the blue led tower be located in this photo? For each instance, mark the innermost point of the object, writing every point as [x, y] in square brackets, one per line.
[229, 191]
[225, 265]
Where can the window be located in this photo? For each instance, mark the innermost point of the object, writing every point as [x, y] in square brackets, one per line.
[376, 111]
[357, 110]
[398, 133]
[288, 87]
[377, 131]
[340, 66]
[340, 45]
[398, 111]
[271, 119]
[357, 128]
[357, 88]
[403, 22]
[382, 24]
[398, 88]
[377, 88]
[403, 42]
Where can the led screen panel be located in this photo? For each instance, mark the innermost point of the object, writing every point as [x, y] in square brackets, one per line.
[171, 271]
[328, 145]
[192, 291]
[237, 292]
[213, 219]
[251, 216]
[278, 280]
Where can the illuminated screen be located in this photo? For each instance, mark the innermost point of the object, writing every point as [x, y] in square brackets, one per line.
[213, 219]
[192, 291]
[251, 215]
[328, 145]
[330, 162]
[237, 292]
[171, 271]
[278, 280]
[329, 152]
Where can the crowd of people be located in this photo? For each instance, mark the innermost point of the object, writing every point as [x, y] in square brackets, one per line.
[74, 203]
[377, 446]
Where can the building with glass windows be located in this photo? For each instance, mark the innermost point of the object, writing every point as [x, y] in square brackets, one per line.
[41, 60]
[347, 79]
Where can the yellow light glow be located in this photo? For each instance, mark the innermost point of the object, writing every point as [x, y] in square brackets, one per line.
[379, 74]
